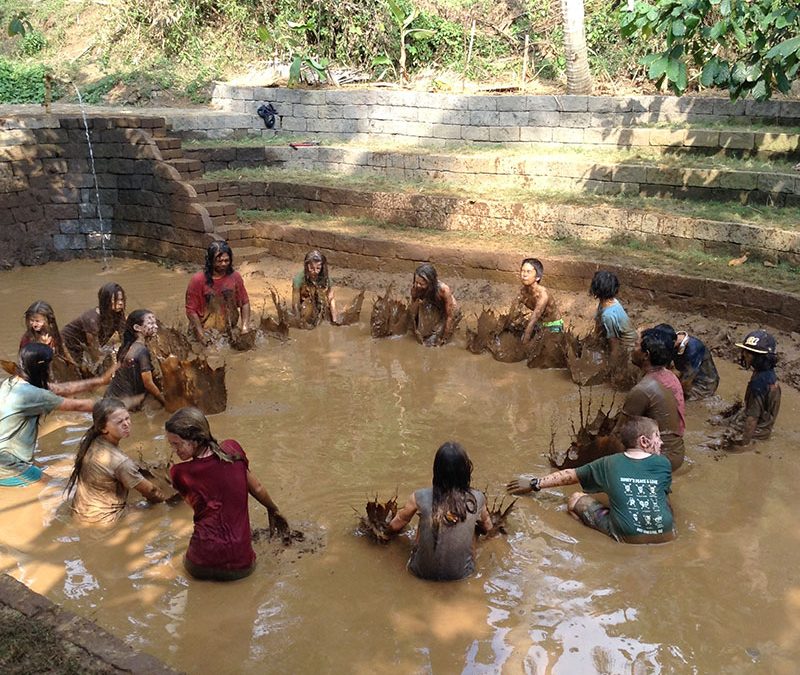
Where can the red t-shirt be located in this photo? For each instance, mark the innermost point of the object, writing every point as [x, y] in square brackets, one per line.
[199, 293]
[217, 491]
[670, 381]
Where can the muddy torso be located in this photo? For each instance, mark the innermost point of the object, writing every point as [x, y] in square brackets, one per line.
[527, 299]
[314, 306]
[693, 360]
[217, 304]
[448, 553]
[762, 400]
[127, 380]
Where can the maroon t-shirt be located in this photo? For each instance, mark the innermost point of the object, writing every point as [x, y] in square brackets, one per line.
[669, 380]
[217, 491]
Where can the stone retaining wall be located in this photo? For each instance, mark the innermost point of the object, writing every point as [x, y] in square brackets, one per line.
[418, 117]
[518, 170]
[48, 203]
[551, 221]
[732, 301]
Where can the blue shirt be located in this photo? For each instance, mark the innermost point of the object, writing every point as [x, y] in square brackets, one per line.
[616, 324]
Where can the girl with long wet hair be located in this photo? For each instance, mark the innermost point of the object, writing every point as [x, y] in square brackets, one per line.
[134, 377]
[216, 297]
[428, 293]
[95, 327]
[41, 326]
[448, 514]
[312, 291]
[103, 474]
[24, 399]
[215, 479]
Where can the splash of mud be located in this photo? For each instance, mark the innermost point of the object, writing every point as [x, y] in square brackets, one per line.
[157, 472]
[389, 315]
[428, 322]
[586, 359]
[277, 326]
[352, 313]
[594, 438]
[499, 515]
[375, 523]
[187, 379]
[291, 546]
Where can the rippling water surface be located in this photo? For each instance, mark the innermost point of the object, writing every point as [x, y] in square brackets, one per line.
[333, 417]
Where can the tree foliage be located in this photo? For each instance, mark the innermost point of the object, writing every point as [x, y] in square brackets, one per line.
[749, 47]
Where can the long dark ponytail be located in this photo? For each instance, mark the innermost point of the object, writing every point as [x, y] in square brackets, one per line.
[110, 321]
[100, 414]
[135, 318]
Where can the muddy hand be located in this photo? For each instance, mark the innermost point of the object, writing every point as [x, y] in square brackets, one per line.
[521, 485]
[107, 376]
[277, 524]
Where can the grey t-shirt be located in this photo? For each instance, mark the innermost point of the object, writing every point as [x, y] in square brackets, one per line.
[449, 553]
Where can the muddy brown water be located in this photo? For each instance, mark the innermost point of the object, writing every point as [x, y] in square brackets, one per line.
[331, 417]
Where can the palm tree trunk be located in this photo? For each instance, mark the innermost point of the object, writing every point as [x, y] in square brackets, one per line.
[579, 79]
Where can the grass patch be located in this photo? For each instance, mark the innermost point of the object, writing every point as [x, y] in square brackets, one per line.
[729, 212]
[27, 646]
[555, 152]
[624, 251]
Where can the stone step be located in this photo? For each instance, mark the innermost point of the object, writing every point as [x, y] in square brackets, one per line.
[236, 232]
[188, 168]
[176, 153]
[250, 253]
[168, 143]
[216, 208]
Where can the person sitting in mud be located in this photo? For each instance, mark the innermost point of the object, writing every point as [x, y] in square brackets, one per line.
[312, 291]
[215, 479]
[433, 309]
[637, 482]
[103, 474]
[652, 398]
[24, 398]
[95, 327]
[134, 377]
[216, 296]
[694, 363]
[444, 549]
[611, 320]
[544, 312]
[762, 398]
[41, 326]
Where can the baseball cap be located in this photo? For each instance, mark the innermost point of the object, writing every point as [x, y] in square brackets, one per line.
[759, 341]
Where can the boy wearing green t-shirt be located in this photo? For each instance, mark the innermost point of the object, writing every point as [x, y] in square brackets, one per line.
[636, 481]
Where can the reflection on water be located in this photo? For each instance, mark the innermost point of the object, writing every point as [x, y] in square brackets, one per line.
[330, 418]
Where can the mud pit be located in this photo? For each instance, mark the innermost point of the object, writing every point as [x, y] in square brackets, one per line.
[331, 417]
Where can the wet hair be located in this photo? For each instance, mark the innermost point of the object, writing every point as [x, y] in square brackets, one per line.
[536, 264]
[44, 308]
[668, 331]
[656, 344]
[452, 498]
[100, 413]
[192, 425]
[34, 364]
[135, 318]
[633, 428]
[428, 272]
[605, 285]
[110, 321]
[214, 249]
[322, 278]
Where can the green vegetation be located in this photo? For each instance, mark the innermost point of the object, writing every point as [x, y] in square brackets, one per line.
[21, 82]
[744, 46]
[189, 43]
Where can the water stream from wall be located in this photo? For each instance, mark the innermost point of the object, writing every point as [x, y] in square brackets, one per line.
[104, 236]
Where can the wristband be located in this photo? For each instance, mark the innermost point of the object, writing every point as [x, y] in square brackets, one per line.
[535, 484]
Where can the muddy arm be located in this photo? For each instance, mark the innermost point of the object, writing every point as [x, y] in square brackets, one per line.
[77, 405]
[485, 522]
[450, 309]
[151, 388]
[196, 324]
[541, 303]
[277, 523]
[150, 492]
[750, 424]
[332, 306]
[403, 516]
[80, 386]
[245, 317]
[523, 484]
